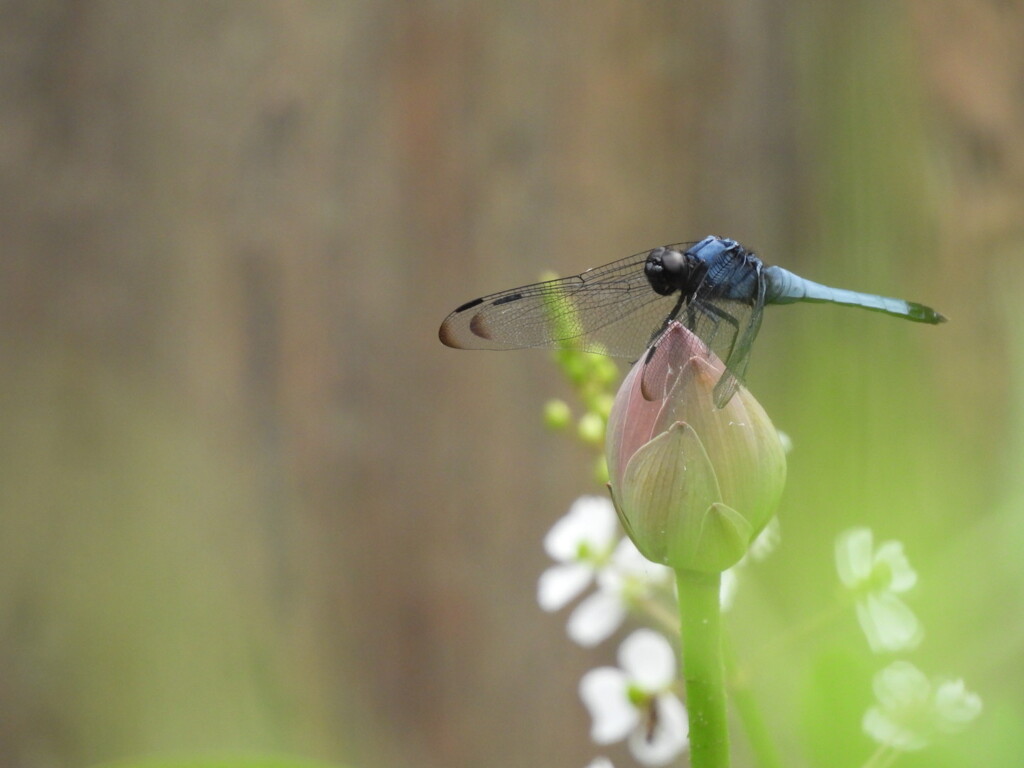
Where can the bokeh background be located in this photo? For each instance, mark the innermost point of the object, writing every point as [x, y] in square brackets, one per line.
[250, 505]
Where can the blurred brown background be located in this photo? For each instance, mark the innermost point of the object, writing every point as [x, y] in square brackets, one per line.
[250, 503]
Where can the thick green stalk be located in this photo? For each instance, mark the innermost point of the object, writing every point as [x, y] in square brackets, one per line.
[703, 672]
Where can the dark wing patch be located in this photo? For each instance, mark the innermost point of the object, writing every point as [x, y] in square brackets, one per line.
[467, 305]
[478, 326]
[507, 299]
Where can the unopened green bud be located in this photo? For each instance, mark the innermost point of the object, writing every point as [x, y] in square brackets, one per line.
[693, 483]
[557, 415]
[591, 428]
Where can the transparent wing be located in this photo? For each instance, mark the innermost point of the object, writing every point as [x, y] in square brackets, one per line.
[611, 310]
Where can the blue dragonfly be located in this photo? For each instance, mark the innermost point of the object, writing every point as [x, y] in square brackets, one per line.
[715, 287]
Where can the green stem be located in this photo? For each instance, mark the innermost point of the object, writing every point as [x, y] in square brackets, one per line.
[758, 734]
[656, 612]
[703, 673]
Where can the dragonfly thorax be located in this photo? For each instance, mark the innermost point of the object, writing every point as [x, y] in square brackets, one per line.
[669, 270]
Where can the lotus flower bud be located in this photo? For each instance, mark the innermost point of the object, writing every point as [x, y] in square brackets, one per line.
[693, 484]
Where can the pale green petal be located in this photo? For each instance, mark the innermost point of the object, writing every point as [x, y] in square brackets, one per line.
[885, 730]
[902, 686]
[665, 482]
[853, 556]
[889, 624]
[902, 576]
[955, 706]
[723, 540]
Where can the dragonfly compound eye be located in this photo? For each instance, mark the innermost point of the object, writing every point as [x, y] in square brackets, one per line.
[673, 261]
[662, 269]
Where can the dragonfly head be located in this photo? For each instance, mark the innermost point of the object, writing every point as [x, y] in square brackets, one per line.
[669, 270]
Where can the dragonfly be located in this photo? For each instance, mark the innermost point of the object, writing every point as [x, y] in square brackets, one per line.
[715, 287]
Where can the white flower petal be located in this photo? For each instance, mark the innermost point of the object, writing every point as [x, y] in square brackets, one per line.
[727, 591]
[560, 584]
[767, 540]
[605, 693]
[669, 737]
[902, 687]
[627, 559]
[888, 623]
[883, 729]
[591, 520]
[867, 625]
[649, 660]
[955, 706]
[596, 618]
[853, 556]
[612, 580]
[600, 762]
[903, 577]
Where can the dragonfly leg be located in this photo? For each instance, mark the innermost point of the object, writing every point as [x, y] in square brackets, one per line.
[691, 316]
[661, 328]
[716, 314]
[652, 345]
[727, 383]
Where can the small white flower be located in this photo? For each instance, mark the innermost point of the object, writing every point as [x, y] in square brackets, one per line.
[581, 543]
[875, 577]
[911, 710]
[626, 578]
[600, 762]
[636, 702]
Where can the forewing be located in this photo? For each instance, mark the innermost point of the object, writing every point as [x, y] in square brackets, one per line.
[611, 310]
